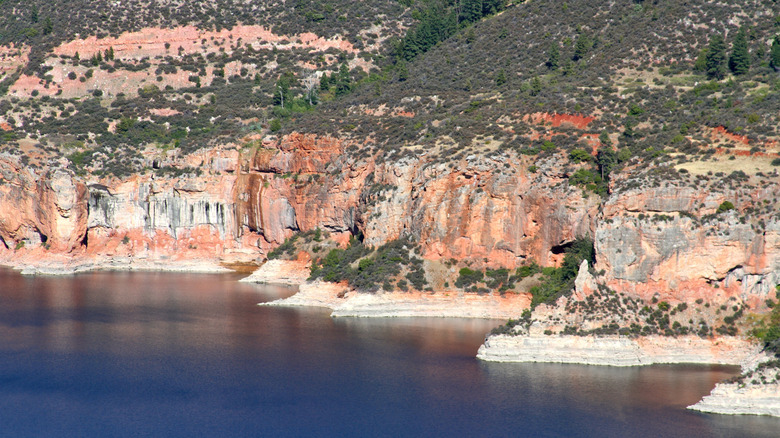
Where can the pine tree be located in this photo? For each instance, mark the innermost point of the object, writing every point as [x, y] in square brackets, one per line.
[555, 57]
[716, 57]
[501, 77]
[470, 10]
[701, 61]
[490, 7]
[581, 47]
[344, 81]
[774, 55]
[282, 93]
[324, 82]
[606, 160]
[536, 86]
[48, 26]
[739, 62]
[403, 72]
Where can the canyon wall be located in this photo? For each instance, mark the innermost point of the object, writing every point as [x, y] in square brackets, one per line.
[650, 240]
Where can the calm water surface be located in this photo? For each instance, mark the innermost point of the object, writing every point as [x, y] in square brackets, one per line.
[137, 354]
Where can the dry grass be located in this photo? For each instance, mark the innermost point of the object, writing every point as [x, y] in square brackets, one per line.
[749, 165]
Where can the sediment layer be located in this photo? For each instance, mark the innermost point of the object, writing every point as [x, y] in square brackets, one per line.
[617, 350]
[345, 302]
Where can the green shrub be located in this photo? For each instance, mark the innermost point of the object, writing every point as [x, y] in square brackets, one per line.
[468, 277]
[724, 206]
[579, 156]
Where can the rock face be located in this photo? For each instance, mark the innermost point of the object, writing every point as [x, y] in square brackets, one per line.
[616, 350]
[41, 209]
[661, 241]
[651, 239]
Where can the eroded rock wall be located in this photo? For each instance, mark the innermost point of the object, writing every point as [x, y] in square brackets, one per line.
[659, 240]
[668, 241]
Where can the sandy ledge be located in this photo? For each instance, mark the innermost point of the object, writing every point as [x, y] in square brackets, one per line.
[736, 399]
[617, 350]
[347, 303]
[76, 266]
[291, 273]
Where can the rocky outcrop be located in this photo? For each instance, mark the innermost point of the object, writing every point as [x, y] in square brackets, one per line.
[616, 350]
[472, 211]
[666, 241]
[41, 207]
[289, 272]
[736, 399]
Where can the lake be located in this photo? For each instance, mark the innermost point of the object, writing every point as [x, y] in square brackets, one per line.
[161, 354]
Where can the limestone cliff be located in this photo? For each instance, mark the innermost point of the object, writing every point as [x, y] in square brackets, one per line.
[654, 239]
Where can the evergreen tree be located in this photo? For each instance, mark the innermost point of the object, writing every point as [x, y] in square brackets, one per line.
[324, 82]
[553, 62]
[470, 10]
[739, 62]
[282, 93]
[435, 25]
[344, 82]
[536, 86]
[716, 57]
[774, 55]
[403, 72]
[581, 47]
[606, 160]
[490, 7]
[48, 26]
[701, 61]
[501, 78]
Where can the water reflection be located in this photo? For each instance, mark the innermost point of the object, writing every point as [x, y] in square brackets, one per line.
[180, 355]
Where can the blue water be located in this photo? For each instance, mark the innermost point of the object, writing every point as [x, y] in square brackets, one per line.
[121, 354]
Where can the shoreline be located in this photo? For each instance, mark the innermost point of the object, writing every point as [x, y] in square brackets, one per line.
[737, 399]
[618, 351]
[72, 267]
[344, 302]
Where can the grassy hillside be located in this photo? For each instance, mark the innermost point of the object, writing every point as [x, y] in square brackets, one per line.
[633, 72]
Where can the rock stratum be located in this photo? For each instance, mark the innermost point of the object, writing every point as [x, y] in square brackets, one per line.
[617, 350]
